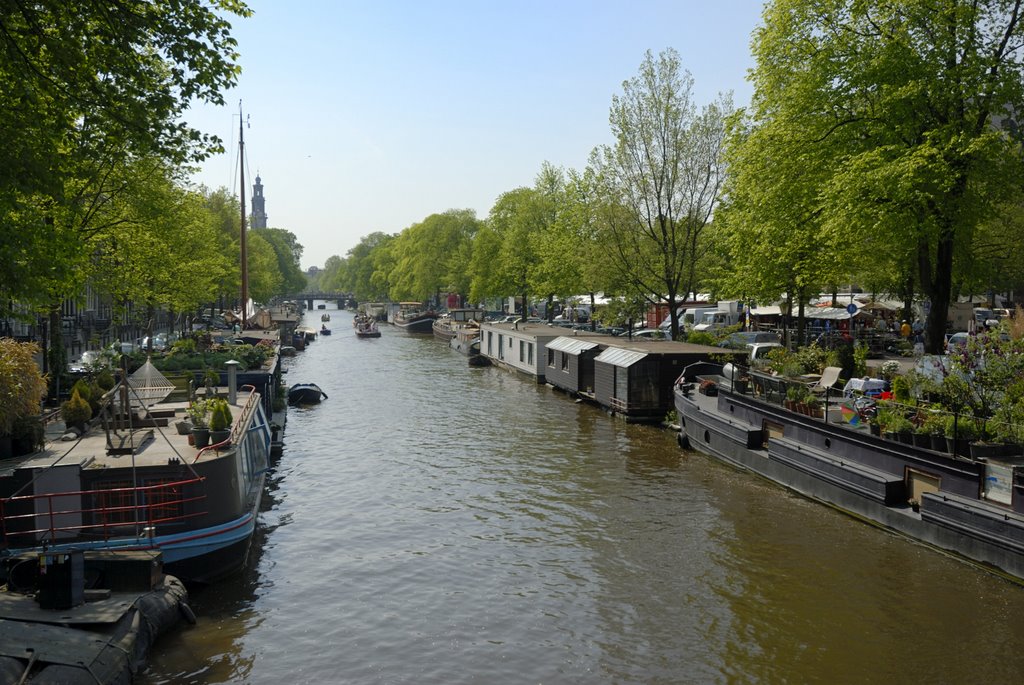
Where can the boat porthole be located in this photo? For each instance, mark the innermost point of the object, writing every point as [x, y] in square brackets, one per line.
[828, 442]
[707, 436]
[732, 407]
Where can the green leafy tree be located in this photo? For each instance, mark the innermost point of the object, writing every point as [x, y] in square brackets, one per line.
[288, 253]
[661, 178]
[912, 101]
[429, 255]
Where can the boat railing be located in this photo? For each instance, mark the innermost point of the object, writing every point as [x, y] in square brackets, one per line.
[103, 514]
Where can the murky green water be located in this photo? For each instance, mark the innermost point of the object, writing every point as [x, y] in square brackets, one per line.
[433, 523]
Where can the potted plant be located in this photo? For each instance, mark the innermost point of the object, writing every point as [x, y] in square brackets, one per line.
[814, 407]
[935, 422]
[922, 436]
[76, 411]
[903, 428]
[960, 431]
[22, 387]
[794, 395]
[220, 421]
[198, 414]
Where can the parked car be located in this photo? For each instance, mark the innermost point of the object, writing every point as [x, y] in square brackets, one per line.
[740, 339]
[90, 361]
[161, 342]
[957, 340]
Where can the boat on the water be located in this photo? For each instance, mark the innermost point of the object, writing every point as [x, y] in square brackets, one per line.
[973, 508]
[446, 325]
[305, 393]
[365, 327]
[131, 483]
[463, 339]
[412, 317]
[325, 317]
[324, 330]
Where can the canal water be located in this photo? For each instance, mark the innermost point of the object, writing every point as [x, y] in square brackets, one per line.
[435, 523]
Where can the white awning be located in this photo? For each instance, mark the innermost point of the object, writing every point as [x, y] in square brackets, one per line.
[616, 356]
[573, 346]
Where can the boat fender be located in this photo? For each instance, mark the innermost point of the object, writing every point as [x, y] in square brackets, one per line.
[187, 613]
[683, 439]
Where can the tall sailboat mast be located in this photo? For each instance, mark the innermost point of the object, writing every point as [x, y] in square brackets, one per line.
[243, 250]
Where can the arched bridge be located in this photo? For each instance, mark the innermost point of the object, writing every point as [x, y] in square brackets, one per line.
[342, 299]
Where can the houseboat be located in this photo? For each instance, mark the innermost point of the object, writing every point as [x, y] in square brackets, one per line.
[970, 507]
[412, 317]
[133, 482]
[446, 325]
[633, 380]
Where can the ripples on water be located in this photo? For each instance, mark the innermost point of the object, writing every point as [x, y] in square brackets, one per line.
[433, 523]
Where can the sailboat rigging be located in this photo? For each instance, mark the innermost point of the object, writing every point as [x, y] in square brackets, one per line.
[242, 242]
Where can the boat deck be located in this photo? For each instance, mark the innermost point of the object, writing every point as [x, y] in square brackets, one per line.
[141, 442]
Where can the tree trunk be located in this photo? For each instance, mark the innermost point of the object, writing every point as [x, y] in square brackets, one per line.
[937, 286]
[55, 359]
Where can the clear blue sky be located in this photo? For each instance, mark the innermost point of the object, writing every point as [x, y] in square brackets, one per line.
[371, 116]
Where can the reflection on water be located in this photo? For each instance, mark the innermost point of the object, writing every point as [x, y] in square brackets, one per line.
[431, 522]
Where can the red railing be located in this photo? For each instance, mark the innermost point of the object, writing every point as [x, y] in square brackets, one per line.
[145, 506]
[236, 425]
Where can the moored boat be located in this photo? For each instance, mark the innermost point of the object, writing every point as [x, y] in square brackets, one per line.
[305, 393]
[446, 325]
[411, 317]
[972, 508]
[135, 485]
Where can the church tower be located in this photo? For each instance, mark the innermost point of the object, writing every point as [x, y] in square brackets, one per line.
[259, 212]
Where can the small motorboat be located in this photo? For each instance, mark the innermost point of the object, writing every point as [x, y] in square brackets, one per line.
[324, 330]
[325, 317]
[305, 393]
[366, 328]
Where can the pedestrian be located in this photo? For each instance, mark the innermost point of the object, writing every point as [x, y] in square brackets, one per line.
[905, 330]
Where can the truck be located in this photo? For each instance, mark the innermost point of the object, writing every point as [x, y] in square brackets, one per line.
[693, 316]
[727, 313]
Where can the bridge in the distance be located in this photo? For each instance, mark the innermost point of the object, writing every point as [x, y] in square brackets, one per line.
[342, 299]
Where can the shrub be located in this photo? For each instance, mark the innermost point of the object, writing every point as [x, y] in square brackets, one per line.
[220, 415]
[901, 389]
[81, 386]
[701, 338]
[105, 380]
[75, 411]
[199, 413]
[22, 385]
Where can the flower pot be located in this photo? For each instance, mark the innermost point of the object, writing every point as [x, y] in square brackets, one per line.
[923, 440]
[875, 429]
[957, 447]
[217, 437]
[939, 443]
[201, 437]
[905, 438]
